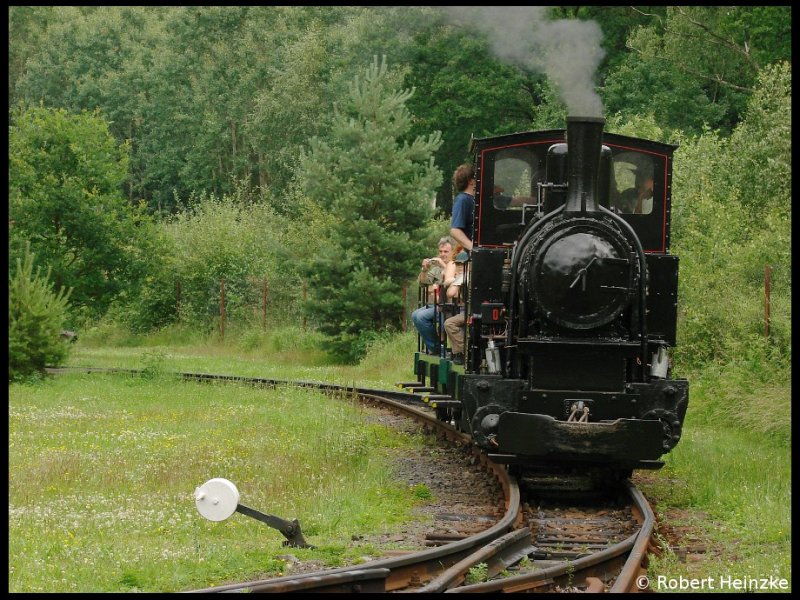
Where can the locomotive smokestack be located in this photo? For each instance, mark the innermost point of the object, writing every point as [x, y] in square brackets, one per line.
[584, 141]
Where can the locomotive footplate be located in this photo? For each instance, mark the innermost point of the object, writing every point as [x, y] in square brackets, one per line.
[439, 375]
[621, 440]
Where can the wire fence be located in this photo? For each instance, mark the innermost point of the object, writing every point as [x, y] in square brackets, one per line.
[256, 303]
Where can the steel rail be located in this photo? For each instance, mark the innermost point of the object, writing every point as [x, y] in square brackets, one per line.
[585, 568]
[634, 566]
[497, 554]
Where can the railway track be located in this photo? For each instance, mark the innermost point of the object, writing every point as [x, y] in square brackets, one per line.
[534, 546]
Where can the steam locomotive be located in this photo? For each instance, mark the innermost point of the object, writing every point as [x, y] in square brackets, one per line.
[571, 304]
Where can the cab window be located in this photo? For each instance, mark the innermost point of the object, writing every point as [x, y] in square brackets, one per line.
[634, 178]
[510, 183]
[516, 173]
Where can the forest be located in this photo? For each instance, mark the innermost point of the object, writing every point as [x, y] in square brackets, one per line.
[306, 153]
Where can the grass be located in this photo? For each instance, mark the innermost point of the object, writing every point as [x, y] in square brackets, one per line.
[726, 487]
[288, 353]
[747, 394]
[102, 470]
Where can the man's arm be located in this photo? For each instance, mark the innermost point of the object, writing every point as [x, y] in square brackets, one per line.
[449, 273]
[453, 291]
[459, 236]
[520, 200]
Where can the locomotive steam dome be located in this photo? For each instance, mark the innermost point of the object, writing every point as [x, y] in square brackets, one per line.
[579, 274]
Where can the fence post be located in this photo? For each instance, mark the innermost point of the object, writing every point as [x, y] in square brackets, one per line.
[305, 297]
[264, 306]
[405, 307]
[222, 309]
[767, 285]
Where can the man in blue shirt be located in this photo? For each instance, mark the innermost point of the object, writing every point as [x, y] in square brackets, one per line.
[463, 206]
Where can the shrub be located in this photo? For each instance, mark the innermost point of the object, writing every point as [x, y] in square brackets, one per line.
[731, 216]
[231, 239]
[36, 315]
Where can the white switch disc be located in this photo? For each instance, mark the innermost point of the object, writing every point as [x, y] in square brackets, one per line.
[216, 499]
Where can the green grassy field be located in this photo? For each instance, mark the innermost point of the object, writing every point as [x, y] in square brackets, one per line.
[728, 494]
[102, 469]
[726, 489]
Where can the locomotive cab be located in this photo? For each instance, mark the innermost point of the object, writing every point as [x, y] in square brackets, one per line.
[572, 300]
[532, 166]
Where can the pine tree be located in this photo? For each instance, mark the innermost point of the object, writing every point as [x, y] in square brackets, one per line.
[36, 315]
[379, 188]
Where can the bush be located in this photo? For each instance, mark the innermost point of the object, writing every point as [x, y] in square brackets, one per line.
[107, 331]
[731, 217]
[231, 239]
[36, 316]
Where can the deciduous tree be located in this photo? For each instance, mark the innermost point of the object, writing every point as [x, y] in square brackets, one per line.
[698, 65]
[65, 198]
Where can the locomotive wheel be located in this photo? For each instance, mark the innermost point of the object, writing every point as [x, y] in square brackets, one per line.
[670, 423]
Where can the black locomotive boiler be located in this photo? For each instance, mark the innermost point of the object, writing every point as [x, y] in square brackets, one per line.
[571, 303]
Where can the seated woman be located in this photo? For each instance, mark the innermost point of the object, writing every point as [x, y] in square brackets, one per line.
[454, 326]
